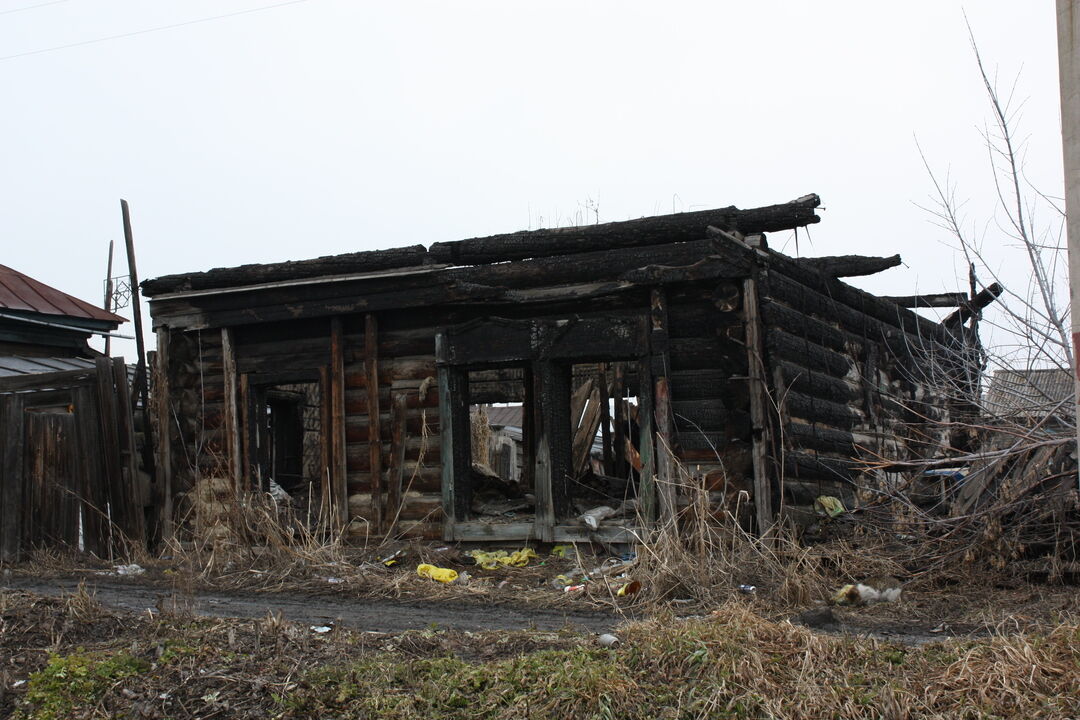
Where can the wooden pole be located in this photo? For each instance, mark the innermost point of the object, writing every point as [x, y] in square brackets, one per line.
[371, 358]
[108, 293]
[755, 352]
[141, 390]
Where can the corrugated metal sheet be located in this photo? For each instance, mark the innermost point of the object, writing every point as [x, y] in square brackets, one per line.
[1029, 392]
[22, 292]
[11, 366]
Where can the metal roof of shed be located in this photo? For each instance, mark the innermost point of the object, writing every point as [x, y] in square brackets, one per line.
[15, 365]
[25, 294]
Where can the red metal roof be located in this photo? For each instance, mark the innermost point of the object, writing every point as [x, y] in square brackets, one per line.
[21, 292]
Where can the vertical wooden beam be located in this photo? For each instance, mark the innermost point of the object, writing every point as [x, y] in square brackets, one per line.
[398, 407]
[340, 485]
[134, 494]
[755, 355]
[454, 439]
[554, 451]
[247, 434]
[618, 391]
[371, 363]
[605, 420]
[326, 450]
[528, 432]
[11, 476]
[665, 459]
[646, 444]
[163, 475]
[233, 451]
[141, 390]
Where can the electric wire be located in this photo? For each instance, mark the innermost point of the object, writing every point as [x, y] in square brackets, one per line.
[149, 30]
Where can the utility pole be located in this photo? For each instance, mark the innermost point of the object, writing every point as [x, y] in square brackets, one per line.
[1068, 30]
[108, 293]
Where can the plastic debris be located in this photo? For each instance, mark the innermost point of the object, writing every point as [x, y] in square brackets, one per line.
[629, 588]
[443, 575]
[131, 569]
[829, 505]
[278, 493]
[874, 590]
[592, 518]
[493, 560]
[393, 558]
[334, 580]
[561, 550]
[747, 589]
[321, 629]
[573, 588]
[607, 640]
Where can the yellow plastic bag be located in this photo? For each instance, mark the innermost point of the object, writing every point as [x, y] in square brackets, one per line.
[500, 558]
[561, 550]
[829, 505]
[443, 575]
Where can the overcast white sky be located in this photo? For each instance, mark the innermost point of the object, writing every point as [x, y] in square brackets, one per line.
[329, 126]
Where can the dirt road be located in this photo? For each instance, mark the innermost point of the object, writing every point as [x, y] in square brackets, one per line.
[358, 613]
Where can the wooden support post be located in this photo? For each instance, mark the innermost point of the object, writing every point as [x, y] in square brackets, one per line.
[528, 432]
[758, 406]
[371, 364]
[646, 443]
[665, 459]
[326, 450]
[247, 432]
[340, 483]
[605, 420]
[619, 393]
[394, 478]
[555, 443]
[233, 451]
[454, 439]
[134, 491]
[163, 468]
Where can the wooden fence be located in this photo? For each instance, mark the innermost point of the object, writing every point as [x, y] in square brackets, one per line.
[69, 472]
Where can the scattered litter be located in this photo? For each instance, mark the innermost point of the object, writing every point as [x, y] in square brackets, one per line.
[873, 590]
[393, 558]
[829, 505]
[18, 683]
[442, 549]
[561, 550]
[629, 588]
[443, 575]
[607, 640]
[334, 580]
[493, 560]
[278, 493]
[573, 588]
[592, 518]
[747, 589]
[463, 578]
[131, 569]
[321, 629]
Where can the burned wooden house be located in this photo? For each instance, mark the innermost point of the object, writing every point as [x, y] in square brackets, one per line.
[715, 360]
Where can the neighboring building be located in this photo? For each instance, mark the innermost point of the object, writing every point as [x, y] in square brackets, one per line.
[738, 364]
[38, 321]
[1029, 396]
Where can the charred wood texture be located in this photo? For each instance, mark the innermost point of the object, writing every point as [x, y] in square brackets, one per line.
[971, 308]
[630, 233]
[933, 300]
[255, 274]
[849, 265]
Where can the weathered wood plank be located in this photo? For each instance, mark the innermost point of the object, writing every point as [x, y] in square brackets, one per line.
[762, 436]
[339, 491]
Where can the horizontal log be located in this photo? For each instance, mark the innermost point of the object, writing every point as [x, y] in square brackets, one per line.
[782, 344]
[349, 263]
[816, 409]
[849, 265]
[932, 300]
[817, 384]
[630, 233]
[803, 466]
[798, 323]
[817, 437]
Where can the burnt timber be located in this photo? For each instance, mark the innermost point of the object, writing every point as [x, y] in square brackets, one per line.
[747, 369]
